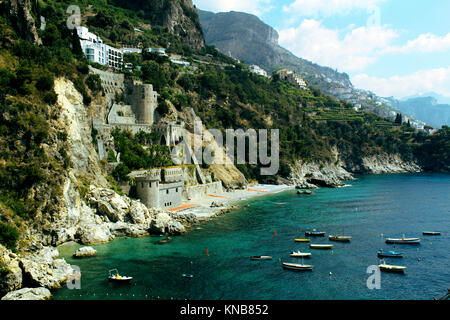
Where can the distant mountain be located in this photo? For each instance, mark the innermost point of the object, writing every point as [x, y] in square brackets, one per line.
[439, 98]
[428, 110]
[247, 38]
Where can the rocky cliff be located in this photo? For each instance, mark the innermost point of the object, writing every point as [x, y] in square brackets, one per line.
[247, 38]
[20, 13]
[178, 16]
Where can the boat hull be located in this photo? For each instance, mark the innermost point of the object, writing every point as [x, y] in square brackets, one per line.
[124, 281]
[302, 240]
[315, 234]
[296, 267]
[258, 258]
[387, 255]
[340, 239]
[321, 247]
[412, 242]
[392, 269]
[431, 233]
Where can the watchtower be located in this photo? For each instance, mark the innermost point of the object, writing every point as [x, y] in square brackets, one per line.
[147, 187]
[144, 102]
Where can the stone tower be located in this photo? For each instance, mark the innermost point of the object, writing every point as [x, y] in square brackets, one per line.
[148, 188]
[144, 101]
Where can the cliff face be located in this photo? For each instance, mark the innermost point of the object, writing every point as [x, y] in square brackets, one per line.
[20, 13]
[179, 16]
[247, 38]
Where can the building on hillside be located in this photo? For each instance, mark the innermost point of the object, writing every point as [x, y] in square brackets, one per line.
[96, 51]
[160, 188]
[160, 51]
[126, 50]
[258, 70]
[293, 78]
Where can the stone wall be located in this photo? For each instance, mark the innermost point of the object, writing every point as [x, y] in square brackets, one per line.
[200, 191]
[170, 195]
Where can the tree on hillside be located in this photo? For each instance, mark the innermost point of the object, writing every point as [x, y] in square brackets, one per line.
[398, 119]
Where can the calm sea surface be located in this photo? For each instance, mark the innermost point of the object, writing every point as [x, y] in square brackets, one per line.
[370, 209]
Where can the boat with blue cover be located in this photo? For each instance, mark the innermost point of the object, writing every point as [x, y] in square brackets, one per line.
[389, 254]
[315, 233]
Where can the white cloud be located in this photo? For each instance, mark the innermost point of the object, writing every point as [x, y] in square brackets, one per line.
[357, 49]
[424, 43]
[256, 7]
[328, 7]
[437, 80]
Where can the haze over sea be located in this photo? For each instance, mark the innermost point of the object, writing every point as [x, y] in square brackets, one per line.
[370, 209]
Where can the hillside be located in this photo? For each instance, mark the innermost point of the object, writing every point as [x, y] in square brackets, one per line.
[54, 185]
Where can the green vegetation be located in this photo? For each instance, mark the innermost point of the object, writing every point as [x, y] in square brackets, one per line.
[134, 156]
[8, 236]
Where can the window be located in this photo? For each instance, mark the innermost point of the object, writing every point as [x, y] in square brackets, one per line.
[167, 191]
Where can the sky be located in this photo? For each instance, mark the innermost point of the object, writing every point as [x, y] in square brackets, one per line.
[394, 48]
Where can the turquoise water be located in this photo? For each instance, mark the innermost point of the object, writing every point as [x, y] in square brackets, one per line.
[372, 208]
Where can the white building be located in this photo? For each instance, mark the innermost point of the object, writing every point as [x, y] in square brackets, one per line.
[160, 51]
[258, 70]
[96, 51]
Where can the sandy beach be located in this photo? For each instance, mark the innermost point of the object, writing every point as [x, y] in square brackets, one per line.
[216, 204]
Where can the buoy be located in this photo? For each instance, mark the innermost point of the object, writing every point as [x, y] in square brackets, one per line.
[207, 252]
[331, 273]
[275, 232]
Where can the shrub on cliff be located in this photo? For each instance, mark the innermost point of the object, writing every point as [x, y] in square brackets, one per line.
[8, 236]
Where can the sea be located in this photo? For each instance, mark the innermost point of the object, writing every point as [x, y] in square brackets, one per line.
[217, 253]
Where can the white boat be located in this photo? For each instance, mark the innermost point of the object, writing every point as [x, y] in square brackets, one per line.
[260, 258]
[321, 246]
[339, 238]
[403, 240]
[299, 254]
[389, 268]
[115, 277]
[297, 267]
[431, 233]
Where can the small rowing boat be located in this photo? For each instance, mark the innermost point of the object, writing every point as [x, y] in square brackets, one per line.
[393, 269]
[187, 276]
[315, 233]
[299, 254]
[261, 258]
[431, 233]
[164, 241]
[321, 246]
[403, 240]
[115, 277]
[297, 267]
[339, 238]
[302, 240]
[389, 254]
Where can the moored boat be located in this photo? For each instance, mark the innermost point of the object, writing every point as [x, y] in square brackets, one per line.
[321, 246]
[164, 241]
[115, 277]
[302, 240]
[339, 238]
[297, 267]
[260, 258]
[299, 254]
[187, 276]
[431, 233]
[389, 268]
[315, 233]
[403, 240]
[389, 254]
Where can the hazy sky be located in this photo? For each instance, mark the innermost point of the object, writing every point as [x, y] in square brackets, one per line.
[391, 47]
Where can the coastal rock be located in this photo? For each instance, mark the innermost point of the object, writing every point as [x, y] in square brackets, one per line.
[44, 270]
[138, 212]
[10, 272]
[386, 163]
[85, 252]
[95, 234]
[313, 175]
[109, 203]
[163, 224]
[122, 229]
[29, 294]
